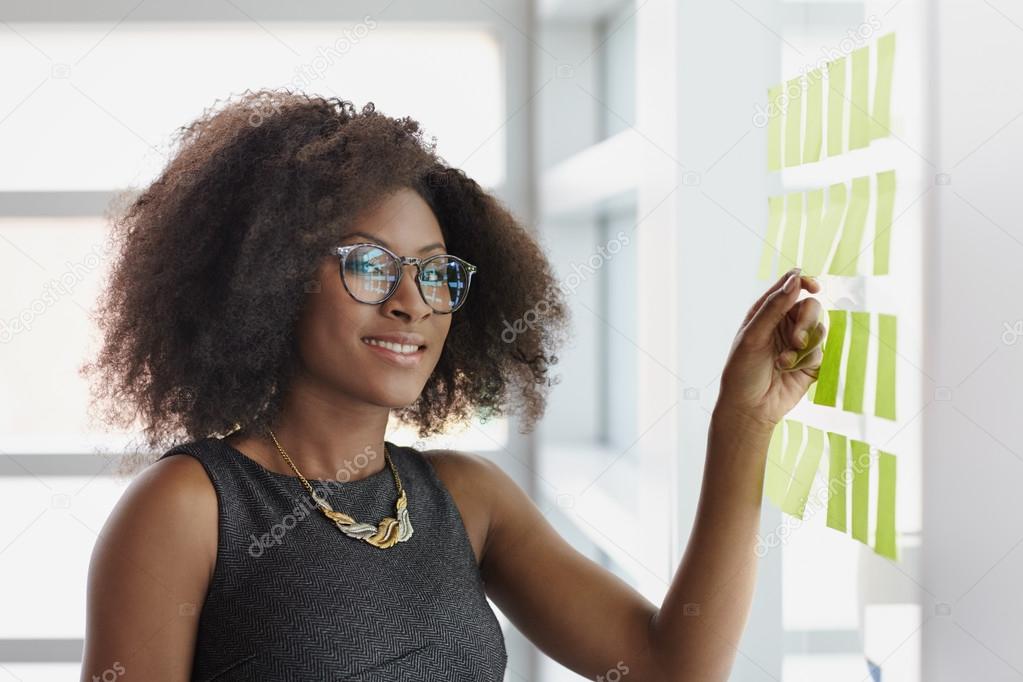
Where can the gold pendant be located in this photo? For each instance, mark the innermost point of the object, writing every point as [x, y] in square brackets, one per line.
[387, 533]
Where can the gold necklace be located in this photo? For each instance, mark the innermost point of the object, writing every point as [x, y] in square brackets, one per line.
[387, 533]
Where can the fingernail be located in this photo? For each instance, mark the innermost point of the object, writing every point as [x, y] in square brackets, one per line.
[789, 283]
[803, 339]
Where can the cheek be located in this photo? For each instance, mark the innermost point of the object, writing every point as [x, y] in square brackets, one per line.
[329, 323]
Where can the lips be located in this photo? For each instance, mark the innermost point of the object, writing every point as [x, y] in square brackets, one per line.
[402, 338]
[405, 356]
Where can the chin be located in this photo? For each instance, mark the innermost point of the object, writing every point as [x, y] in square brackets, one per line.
[396, 398]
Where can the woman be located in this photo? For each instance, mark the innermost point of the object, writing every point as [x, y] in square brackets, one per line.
[299, 272]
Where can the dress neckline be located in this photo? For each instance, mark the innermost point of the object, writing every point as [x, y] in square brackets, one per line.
[383, 474]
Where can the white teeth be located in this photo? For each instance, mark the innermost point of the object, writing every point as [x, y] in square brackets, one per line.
[404, 349]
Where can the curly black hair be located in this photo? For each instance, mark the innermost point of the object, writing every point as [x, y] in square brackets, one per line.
[214, 259]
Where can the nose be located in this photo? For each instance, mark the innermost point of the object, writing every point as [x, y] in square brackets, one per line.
[406, 301]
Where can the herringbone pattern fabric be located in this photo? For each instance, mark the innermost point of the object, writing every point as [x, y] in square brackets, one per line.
[292, 598]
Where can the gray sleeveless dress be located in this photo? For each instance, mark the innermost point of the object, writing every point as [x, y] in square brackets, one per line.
[292, 598]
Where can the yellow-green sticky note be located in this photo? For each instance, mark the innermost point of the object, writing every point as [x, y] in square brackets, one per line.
[838, 454]
[881, 116]
[813, 259]
[775, 208]
[884, 536]
[859, 114]
[793, 122]
[834, 214]
[847, 252]
[884, 399]
[814, 114]
[775, 479]
[827, 375]
[836, 107]
[793, 231]
[856, 365]
[774, 128]
[860, 489]
[806, 470]
[790, 455]
[883, 224]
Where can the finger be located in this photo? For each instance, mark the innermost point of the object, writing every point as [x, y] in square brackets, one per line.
[789, 361]
[779, 283]
[761, 327]
[816, 338]
[812, 285]
[804, 316]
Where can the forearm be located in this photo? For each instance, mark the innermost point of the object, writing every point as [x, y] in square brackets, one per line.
[696, 632]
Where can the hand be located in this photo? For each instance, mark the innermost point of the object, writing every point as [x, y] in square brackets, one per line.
[776, 354]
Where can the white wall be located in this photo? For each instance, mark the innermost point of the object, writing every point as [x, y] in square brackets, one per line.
[973, 464]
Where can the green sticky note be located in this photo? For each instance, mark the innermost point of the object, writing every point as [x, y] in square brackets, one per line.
[859, 114]
[847, 252]
[838, 453]
[793, 231]
[827, 375]
[790, 455]
[775, 208]
[884, 537]
[813, 259]
[836, 107]
[884, 399]
[834, 214]
[883, 224]
[856, 365]
[793, 122]
[806, 470]
[774, 128]
[775, 478]
[814, 114]
[881, 115]
[860, 489]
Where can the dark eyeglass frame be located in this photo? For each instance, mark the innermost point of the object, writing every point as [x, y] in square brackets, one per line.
[342, 253]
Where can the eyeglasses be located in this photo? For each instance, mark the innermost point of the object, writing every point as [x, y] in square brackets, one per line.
[372, 273]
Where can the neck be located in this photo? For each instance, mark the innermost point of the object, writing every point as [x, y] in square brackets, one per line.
[326, 438]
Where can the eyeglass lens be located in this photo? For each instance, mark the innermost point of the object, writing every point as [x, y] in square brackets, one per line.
[371, 274]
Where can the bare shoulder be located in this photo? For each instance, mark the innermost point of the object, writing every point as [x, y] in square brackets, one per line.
[462, 468]
[473, 475]
[173, 499]
[486, 496]
[150, 569]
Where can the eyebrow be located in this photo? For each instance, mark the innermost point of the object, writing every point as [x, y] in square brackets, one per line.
[378, 240]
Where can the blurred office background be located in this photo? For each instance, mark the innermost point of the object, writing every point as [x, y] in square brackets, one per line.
[626, 135]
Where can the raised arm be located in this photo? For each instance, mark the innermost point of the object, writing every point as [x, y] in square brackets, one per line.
[592, 622]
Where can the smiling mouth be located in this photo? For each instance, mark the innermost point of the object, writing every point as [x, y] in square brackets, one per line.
[399, 348]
